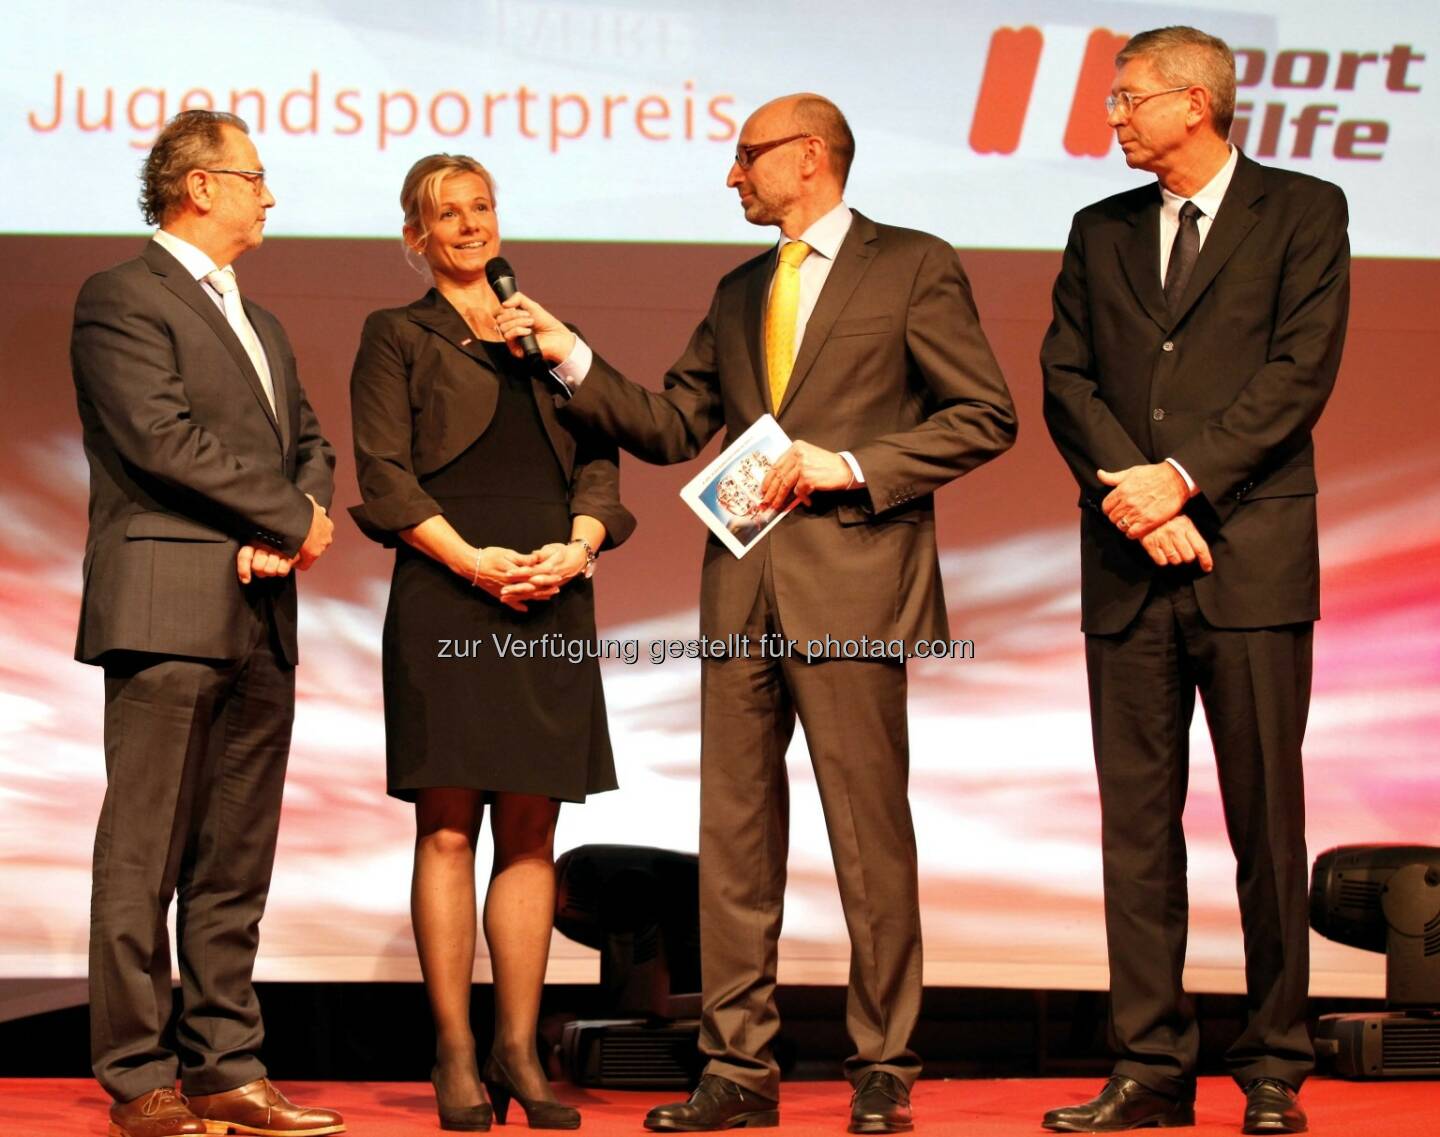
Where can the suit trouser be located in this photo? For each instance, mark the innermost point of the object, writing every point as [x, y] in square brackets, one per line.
[854, 718]
[195, 754]
[1255, 687]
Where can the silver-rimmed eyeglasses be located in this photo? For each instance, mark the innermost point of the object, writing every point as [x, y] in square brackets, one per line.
[256, 178]
[1130, 99]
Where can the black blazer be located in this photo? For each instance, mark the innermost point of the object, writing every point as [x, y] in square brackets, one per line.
[1229, 385]
[421, 391]
[187, 462]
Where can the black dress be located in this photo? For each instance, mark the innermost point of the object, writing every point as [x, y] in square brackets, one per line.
[478, 695]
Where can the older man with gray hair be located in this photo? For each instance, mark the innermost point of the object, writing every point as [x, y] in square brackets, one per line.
[1198, 325]
[209, 480]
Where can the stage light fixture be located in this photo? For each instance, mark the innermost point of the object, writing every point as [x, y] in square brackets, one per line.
[640, 909]
[1384, 898]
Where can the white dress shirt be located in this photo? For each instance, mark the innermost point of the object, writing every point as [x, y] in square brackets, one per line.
[824, 237]
[199, 265]
[1207, 200]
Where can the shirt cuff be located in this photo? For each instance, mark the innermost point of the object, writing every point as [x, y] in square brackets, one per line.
[1179, 469]
[571, 371]
[855, 467]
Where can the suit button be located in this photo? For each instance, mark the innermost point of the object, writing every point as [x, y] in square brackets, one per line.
[1168, 345]
[1158, 414]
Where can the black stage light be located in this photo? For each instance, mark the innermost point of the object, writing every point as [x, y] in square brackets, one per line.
[640, 909]
[1384, 898]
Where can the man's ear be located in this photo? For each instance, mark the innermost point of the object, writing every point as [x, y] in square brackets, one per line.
[1198, 110]
[814, 154]
[200, 190]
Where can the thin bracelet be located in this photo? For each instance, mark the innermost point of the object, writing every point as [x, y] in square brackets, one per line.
[475, 576]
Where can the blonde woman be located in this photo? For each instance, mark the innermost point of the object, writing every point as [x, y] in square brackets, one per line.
[497, 513]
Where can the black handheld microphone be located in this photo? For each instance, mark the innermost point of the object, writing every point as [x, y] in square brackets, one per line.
[502, 279]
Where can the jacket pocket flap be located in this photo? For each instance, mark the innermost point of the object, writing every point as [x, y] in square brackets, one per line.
[865, 326]
[1287, 481]
[851, 514]
[170, 527]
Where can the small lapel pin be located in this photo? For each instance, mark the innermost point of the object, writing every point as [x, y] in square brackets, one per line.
[467, 341]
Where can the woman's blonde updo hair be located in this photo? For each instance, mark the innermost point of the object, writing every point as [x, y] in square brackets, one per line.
[420, 195]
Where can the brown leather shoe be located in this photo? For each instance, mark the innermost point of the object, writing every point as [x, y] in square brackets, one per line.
[717, 1103]
[259, 1109]
[160, 1113]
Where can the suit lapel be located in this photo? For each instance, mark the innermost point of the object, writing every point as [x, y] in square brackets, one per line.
[853, 258]
[435, 312]
[188, 289]
[757, 291]
[1234, 220]
[441, 317]
[270, 345]
[1140, 259]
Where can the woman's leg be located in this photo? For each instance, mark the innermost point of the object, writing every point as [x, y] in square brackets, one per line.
[442, 910]
[519, 914]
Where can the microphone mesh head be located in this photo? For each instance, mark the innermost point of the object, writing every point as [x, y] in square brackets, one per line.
[497, 268]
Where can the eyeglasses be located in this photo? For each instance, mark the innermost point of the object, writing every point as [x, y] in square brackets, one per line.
[256, 178]
[1130, 100]
[745, 155]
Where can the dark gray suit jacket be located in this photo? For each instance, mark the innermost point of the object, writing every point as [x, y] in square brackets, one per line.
[187, 462]
[894, 368]
[1229, 384]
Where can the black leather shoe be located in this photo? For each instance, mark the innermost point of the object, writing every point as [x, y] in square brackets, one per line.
[1272, 1107]
[881, 1105]
[717, 1103]
[456, 1118]
[1123, 1104]
[540, 1113]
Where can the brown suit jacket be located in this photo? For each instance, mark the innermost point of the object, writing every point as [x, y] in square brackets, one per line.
[895, 369]
[187, 462]
[418, 400]
[1229, 384]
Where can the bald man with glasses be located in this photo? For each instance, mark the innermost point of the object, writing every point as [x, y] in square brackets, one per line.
[863, 341]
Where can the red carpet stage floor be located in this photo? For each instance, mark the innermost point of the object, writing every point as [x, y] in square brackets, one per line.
[33, 1107]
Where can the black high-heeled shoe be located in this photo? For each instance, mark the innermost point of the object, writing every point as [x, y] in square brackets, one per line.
[540, 1114]
[460, 1118]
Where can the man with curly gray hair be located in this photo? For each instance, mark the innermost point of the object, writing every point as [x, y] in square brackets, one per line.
[209, 482]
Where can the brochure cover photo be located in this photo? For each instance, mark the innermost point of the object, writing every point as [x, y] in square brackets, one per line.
[726, 494]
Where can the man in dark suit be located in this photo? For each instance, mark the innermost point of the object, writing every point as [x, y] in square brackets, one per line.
[209, 482]
[864, 342]
[1197, 331]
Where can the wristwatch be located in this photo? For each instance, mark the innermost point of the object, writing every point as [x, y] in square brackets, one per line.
[591, 556]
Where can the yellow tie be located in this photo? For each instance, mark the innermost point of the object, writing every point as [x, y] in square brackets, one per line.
[780, 319]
